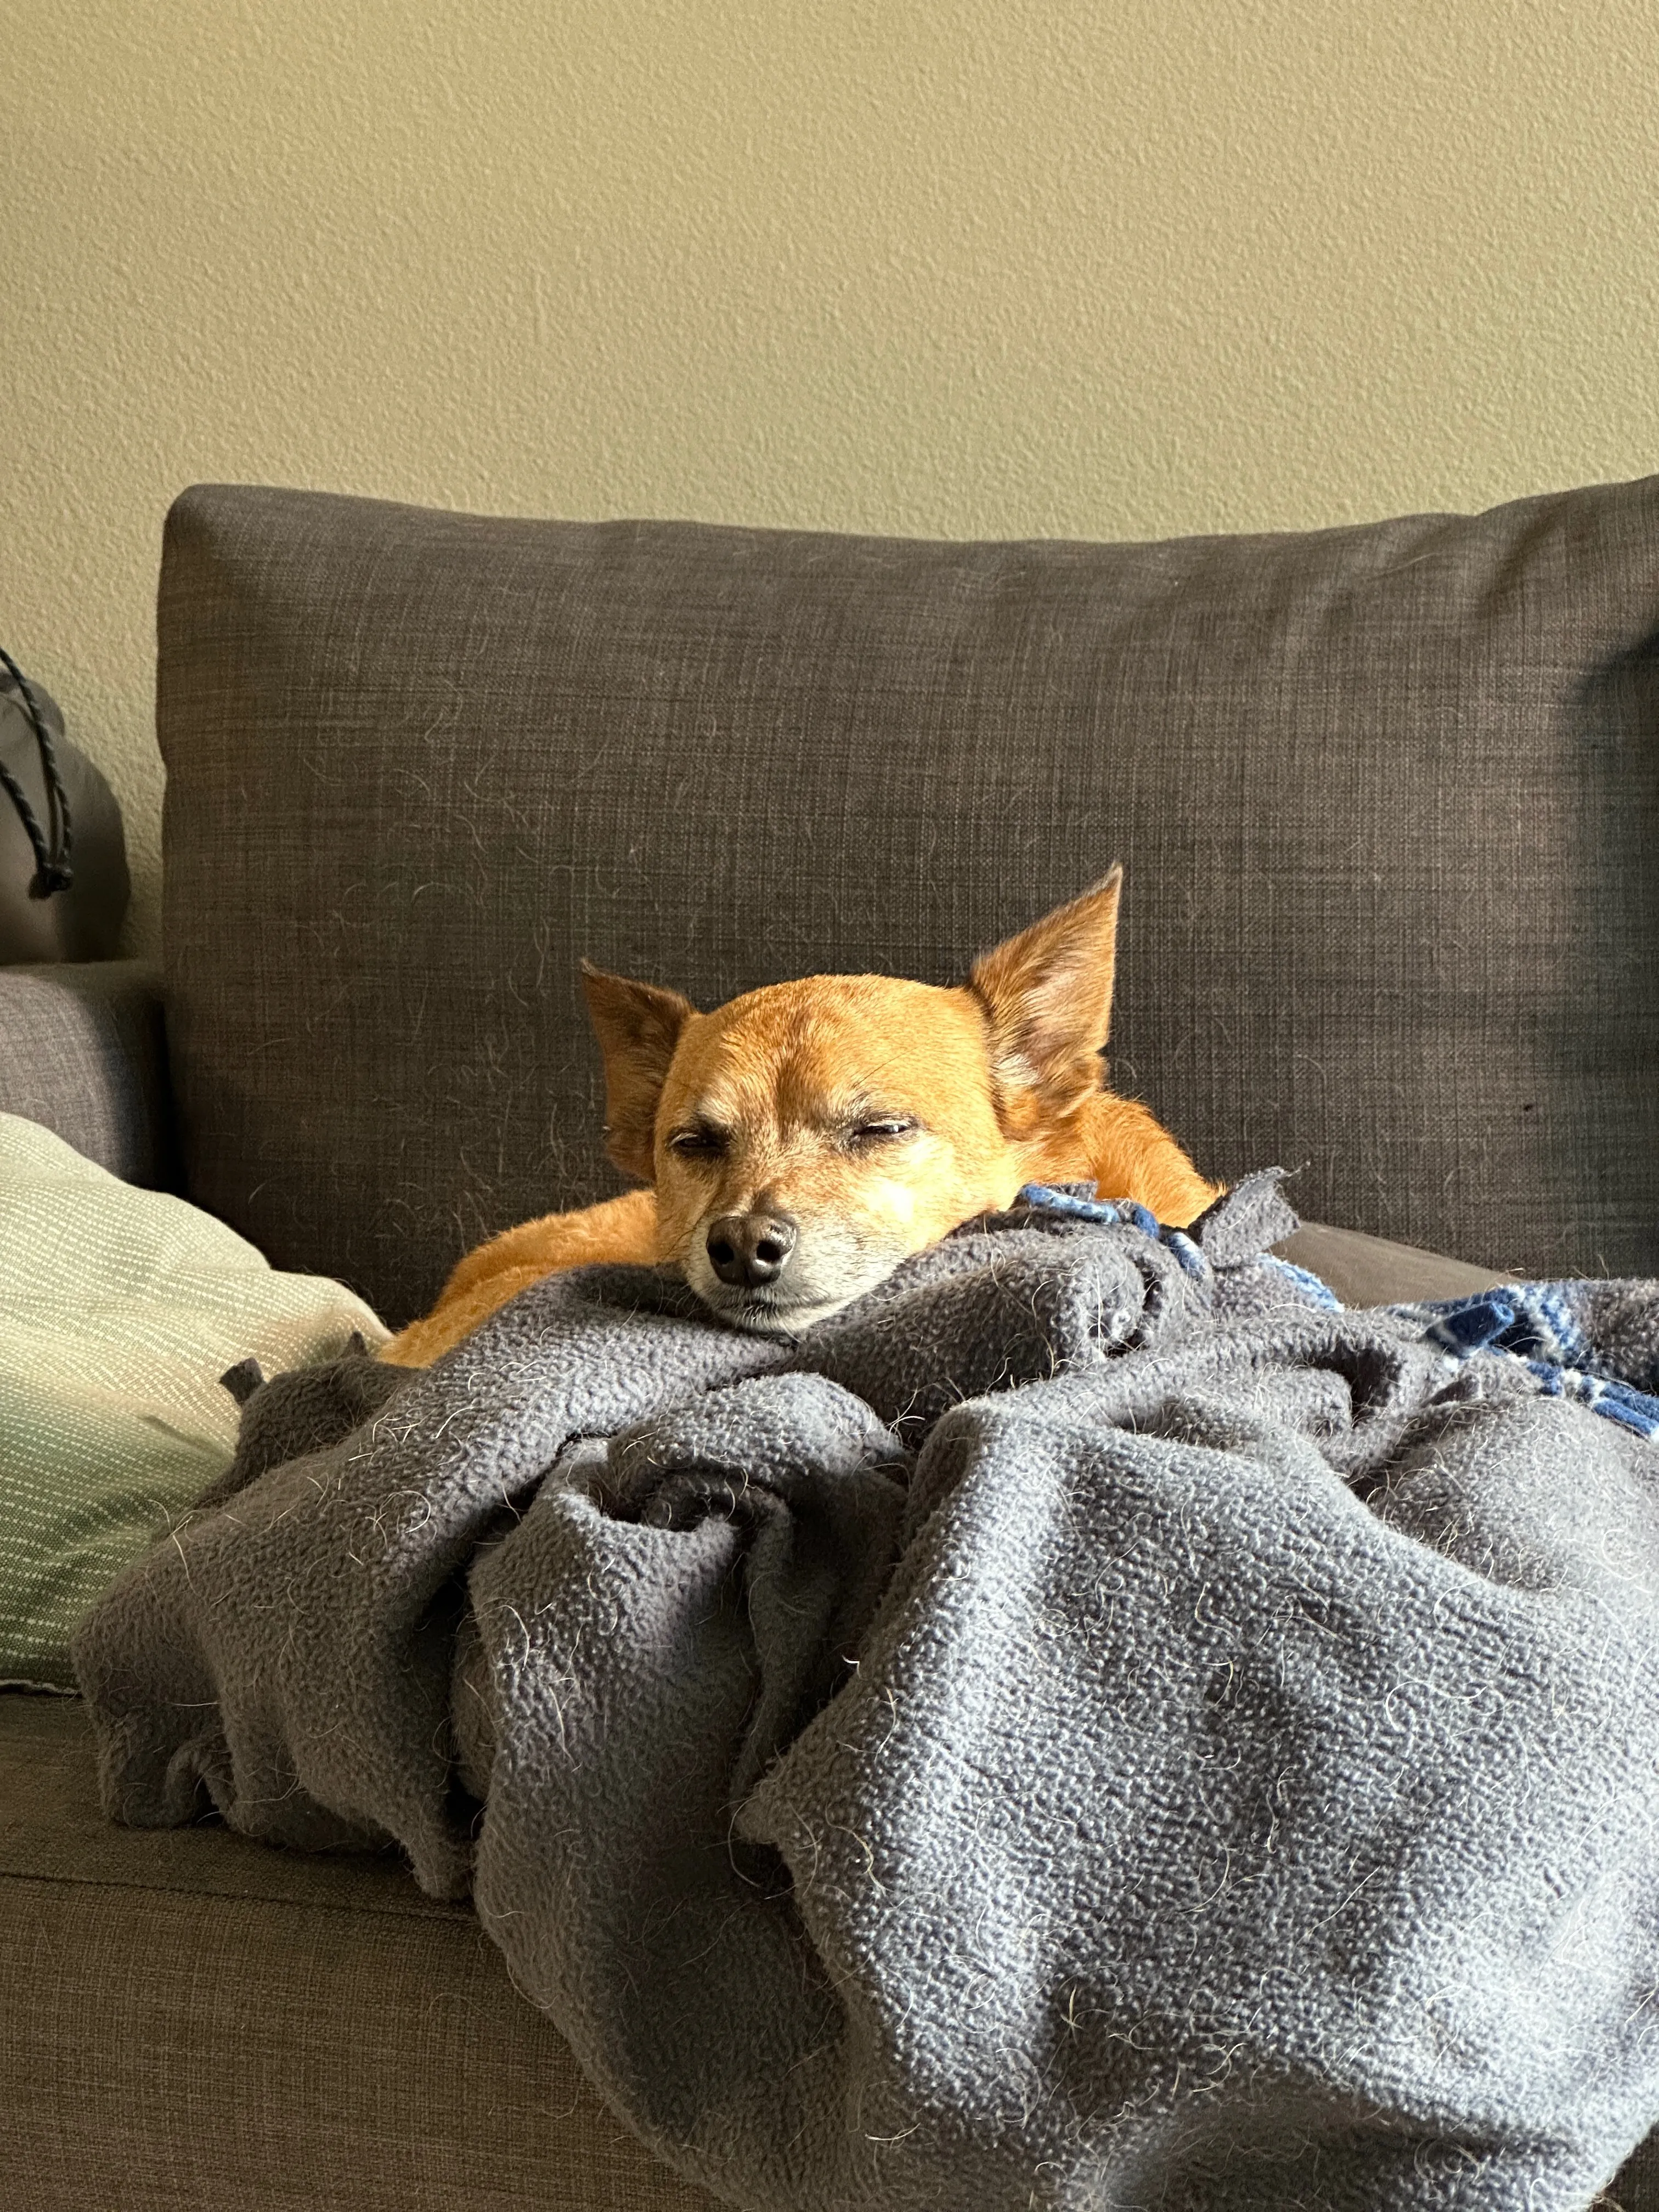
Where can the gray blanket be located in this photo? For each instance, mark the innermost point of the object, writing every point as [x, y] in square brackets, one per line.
[1090, 1726]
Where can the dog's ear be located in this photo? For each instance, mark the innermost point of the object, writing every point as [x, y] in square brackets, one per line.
[1047, 994]
[638, 1026]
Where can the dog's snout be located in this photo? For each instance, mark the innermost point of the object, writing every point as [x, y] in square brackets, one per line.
[748, 1249]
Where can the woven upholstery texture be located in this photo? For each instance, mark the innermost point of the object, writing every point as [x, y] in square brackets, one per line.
[83, 1049]
[195, 2022]
[1387, 797]
[1637, 2188]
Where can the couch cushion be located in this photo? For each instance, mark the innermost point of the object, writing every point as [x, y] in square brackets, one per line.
[188, 2019]
[222, 2026]
[1387, 799]
[83, 1049]
[1370, 1271]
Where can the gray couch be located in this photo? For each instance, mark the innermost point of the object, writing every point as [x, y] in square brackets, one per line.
[1387, 799]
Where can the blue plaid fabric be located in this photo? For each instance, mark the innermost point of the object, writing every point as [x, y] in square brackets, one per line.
[1546, 1327]
[1078, 1201]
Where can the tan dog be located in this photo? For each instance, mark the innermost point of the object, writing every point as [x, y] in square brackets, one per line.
[800, 1141]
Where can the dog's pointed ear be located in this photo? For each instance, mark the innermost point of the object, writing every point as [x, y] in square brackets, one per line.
[638, 1026]
[1048, 996]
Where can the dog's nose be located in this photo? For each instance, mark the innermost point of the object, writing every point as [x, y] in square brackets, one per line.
[748, 1249]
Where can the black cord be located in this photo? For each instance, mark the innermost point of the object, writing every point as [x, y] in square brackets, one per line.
[52, 872]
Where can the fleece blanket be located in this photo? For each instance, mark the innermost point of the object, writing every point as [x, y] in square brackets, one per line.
[1094, 1724]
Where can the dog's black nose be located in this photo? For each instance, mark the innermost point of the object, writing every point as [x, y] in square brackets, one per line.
[748, 1249]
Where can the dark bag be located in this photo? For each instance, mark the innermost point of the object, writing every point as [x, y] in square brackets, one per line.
[63, 884]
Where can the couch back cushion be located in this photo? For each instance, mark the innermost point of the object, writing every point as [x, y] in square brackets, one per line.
[1388, 799]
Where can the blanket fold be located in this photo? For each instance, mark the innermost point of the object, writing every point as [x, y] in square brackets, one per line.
[1092, 1724]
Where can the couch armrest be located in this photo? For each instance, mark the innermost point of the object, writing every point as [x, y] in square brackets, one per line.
[83, 1050]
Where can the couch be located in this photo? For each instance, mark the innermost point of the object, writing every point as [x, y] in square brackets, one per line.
[1387, 799]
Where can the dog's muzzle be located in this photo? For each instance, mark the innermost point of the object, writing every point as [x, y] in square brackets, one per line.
[750, 1251]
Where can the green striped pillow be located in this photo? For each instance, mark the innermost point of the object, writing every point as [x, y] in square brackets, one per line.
[119, 1311]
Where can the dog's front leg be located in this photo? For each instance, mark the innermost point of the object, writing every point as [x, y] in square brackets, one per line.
[621, 1230]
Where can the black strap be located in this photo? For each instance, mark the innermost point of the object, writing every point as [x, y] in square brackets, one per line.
[52, 872]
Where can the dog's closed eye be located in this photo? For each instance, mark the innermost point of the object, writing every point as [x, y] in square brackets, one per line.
[883, 1128]
[701, 1140]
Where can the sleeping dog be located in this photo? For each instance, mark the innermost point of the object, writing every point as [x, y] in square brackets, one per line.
[799, 1142]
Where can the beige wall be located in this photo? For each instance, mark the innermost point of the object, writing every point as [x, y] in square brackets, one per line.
[999, 267]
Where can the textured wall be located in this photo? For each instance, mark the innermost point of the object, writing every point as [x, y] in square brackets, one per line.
[1000, 267]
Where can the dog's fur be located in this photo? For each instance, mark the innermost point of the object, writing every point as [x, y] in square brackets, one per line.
[856, 1118]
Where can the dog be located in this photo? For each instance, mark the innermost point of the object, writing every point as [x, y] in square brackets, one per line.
[799, 1142]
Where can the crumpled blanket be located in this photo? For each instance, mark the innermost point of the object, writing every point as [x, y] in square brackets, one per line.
[1093, 1724]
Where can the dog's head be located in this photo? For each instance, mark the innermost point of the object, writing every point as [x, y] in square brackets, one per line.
[805, 1137]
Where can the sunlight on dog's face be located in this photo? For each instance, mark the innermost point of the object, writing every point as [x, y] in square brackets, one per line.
[811, 1136]
[804, 1139]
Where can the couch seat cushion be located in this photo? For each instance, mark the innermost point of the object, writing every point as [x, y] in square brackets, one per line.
[190, 2020]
